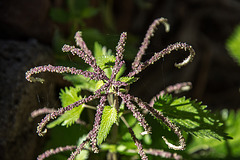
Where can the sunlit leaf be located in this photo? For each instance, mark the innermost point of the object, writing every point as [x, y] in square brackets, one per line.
[68, 96]
[191, 117]
[128, 80]
[109, 117]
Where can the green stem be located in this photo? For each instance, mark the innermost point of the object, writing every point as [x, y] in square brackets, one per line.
[88, 106]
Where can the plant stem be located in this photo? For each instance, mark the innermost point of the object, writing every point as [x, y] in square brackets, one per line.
[88, 106]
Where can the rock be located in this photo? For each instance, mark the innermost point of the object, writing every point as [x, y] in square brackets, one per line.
[18, 98]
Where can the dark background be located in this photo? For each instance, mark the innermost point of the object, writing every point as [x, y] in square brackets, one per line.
[26, 35]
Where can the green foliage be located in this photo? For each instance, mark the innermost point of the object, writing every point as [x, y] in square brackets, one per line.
[191, 116]
[69, 96]
[81, 82]
[233, 45]
[128, 80]
[211, 148]
[109, 117]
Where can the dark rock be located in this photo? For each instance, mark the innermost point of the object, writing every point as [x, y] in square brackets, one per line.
[18, 98]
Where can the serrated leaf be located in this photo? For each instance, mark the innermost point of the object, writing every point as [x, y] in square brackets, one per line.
[103, 56]
[81, 82]
[109, 117]
[191, 117]
[121, 71]
[212, 148]
[68, 96]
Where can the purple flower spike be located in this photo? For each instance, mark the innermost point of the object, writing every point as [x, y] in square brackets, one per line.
[164, 154]
[146, 41]
[97, 122]
[162, 53]
[136, 113]
[138, 144]
[60, 111]
[60, 69]
[166, 121]
[88, 58]
[79, 149]
[55, 151]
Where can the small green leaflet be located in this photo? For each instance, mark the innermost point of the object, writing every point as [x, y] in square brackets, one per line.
[68, 96]
[109, 117]
[128, 80]
[191, 117]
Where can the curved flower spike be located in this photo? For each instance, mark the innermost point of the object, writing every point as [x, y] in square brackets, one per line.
[165, 120]
[79, 148]
[126, 99]
[96, 125]
[60, 111]
[59, 69]
[157, 152]
[41, 111]
[88, 58]
[80, 42]
[162, 53]
[55, 151]
[146, 41]
[137, 142]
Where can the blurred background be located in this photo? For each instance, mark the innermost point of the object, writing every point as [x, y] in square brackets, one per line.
[32, 33]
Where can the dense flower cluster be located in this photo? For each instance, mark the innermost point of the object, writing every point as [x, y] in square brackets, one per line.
[112, 87]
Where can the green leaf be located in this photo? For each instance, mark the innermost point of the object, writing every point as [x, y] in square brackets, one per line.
[104, 57]
[233, 45]
[228, 149]
[109, 117]
[128, 80]
[99, 84]
[81, 82]
[191, 117]
[68, 96]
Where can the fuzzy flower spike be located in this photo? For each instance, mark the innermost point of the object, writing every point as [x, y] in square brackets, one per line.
[112, 88]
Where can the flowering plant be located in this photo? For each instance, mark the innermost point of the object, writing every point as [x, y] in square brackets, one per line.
[107, 84]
